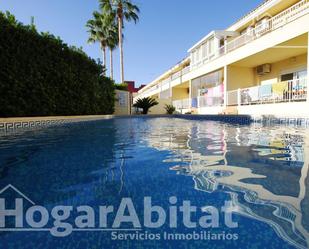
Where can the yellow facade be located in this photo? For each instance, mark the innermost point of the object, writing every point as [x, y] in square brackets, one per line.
[278, 68]
[180, 92]
[240, 77]
[267, 46]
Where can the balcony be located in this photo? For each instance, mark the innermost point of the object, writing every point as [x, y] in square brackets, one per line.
[210, 97]
[210, 101]
[283, 18]
[281, 92]
[287, 16]
[180, 73]
[182, 104]
[165, 84]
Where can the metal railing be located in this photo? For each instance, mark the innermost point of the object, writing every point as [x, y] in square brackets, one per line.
[281, 92]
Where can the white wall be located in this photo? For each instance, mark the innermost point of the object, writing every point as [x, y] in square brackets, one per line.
[122, 103]
[210, 110]
[298, 109]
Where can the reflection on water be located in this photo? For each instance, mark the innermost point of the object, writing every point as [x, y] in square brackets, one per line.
[263, 169]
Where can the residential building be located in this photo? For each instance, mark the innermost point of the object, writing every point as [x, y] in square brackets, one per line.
[132, 88]
[257, 66]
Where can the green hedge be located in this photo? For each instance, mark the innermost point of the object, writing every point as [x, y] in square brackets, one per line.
[122, 86]
[40, 75]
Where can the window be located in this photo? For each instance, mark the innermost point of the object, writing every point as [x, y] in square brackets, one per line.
[287, 77]
[206, 81]
[211, 45]
[204, 48]
[301, 74]
[192, 58]
[200, 50]
[122, 99]
[222, 43]
[197, 56]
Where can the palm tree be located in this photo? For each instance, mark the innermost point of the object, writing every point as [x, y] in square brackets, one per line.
[145, 104]
[123, 10]
[112, 40]
[111, 47]
[170, 109]
[98, 33]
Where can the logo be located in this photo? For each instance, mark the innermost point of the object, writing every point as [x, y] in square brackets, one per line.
[21, 214]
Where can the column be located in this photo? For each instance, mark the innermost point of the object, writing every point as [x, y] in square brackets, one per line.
[308, 69]
[190, 93]
[225, 45]
[217, 46]
[225, 84]
[238, 97]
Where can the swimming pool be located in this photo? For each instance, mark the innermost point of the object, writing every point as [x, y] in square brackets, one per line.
[261, 171]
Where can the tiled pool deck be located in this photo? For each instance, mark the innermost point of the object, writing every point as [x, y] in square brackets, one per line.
[13, 124]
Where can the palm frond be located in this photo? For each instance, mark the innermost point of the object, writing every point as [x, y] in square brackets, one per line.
[145, 104]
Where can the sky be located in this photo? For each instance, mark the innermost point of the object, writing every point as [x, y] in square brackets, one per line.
[161, 38]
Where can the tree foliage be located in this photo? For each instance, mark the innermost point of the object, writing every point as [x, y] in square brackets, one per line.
[145, 104]
[122, 86]
[170, 109]
[103, 28]
[41, 75]
[122, 10]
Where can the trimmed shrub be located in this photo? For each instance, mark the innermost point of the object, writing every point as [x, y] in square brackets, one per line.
[40, 75]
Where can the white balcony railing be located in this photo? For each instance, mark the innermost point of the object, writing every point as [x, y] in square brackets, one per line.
[288, 91]
[182, 104]
[294, 12]
[272, 24]
[232, 98]
[186, 70]
[176, 75]
[210, 101]
[180, 73]
[166, 81]
[211, 97]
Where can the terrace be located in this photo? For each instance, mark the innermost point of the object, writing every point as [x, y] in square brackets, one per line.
[206, 51]
[227, 42]
[277, 75]
[165, 83]
[281, 92]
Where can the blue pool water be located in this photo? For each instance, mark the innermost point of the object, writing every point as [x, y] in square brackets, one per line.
[261, 171]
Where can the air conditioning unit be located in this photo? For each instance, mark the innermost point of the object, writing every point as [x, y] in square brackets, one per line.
[263, 69]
